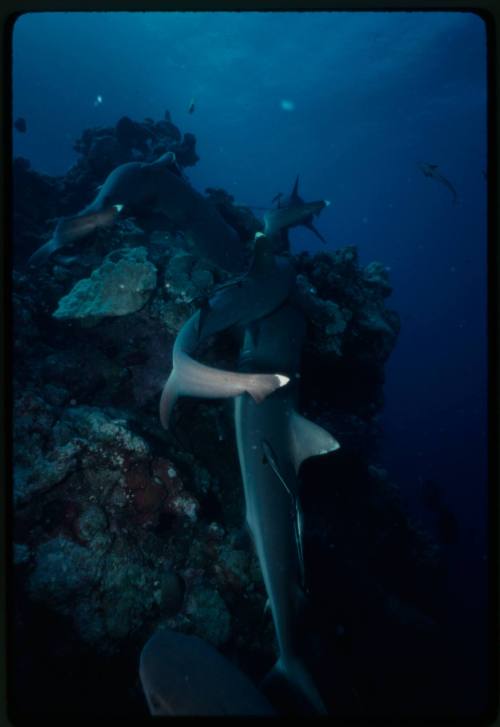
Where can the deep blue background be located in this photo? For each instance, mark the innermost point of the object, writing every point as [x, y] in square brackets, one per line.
[374, 94]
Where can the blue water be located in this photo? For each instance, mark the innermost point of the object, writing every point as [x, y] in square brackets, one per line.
[367, 97]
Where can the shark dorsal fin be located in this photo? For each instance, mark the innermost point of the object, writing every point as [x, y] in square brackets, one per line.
[263, 256]
[309, 440]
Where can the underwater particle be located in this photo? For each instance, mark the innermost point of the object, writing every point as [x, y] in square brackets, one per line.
[98, 100]
[20, 125]
[287, 105]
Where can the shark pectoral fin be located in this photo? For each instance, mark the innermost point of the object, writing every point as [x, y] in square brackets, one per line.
[309, 440]
[310, 226]
[169, 396]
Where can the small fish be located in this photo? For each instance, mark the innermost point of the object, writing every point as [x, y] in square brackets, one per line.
[191, 106]
[430, 170]
[20, 125]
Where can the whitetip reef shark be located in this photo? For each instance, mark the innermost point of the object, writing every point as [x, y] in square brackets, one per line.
[156, 187]
[292, 211]
[184, 675]
[431, 170]
[273, 439]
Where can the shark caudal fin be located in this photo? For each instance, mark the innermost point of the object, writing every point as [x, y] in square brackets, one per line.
[169, 396]
[40, 256]
[309, 440]
[261, 385]
[292, 676]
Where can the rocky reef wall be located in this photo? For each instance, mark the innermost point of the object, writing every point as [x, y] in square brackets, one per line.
[120, 526]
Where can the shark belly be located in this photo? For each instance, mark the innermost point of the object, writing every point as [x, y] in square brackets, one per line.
[272, 441]
[269, 511]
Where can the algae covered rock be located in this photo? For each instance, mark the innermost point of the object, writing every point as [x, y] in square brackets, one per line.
[64, 571]
[376, 276]
[186, 278]
[209, 615]
[122, 284]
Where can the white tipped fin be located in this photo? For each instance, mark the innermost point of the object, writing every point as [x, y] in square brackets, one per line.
[118, 207]
[282, 379]
[309, 440]
[327, 202]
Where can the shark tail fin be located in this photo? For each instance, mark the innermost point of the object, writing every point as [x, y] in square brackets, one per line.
[40, 256]
[261, 385]
[291, 675]
[309, 440]
[169, 396]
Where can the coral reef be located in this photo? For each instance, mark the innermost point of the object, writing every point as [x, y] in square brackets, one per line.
[122, 284]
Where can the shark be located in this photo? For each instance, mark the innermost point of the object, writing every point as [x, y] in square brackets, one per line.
[292, 211]
[238, 304]
[273, 439]
[183, 675]
[431, 170]
[155, 187]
